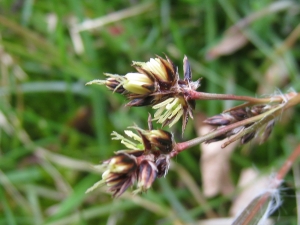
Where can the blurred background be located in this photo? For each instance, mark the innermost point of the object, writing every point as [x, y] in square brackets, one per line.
[53, 128]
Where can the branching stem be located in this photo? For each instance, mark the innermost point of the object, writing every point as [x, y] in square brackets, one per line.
[290, 99]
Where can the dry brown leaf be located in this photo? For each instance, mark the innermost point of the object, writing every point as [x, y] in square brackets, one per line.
[276, 76]
[225, 221]
[214, 165]
[232, 41]
[251, 184]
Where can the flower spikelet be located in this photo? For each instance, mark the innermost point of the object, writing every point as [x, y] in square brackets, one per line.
[157, 83]
[261, 128]
[146, 159]
[163, 71]
[119, 173]
[146, 175]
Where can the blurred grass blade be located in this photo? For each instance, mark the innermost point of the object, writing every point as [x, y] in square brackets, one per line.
[259, 209]
[27, 11]
[9, 217]
[180, 211]
[244, 216]
[75, 199]
[35, 205]
[47, 86]
[234, 38]
[113, 17]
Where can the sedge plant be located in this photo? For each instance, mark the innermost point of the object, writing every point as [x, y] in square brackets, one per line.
[148, 152]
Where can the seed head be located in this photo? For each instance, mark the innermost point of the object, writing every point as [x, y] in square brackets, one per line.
[146, 158]
[219, 120]
[119, 174]
[250, 131]
[163, 71]
[157, 83]
[121, 163]
[160, 140]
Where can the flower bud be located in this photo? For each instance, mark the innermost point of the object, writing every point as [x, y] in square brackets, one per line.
[146, 175]
[239, 114]
[114, 85]
[267, 131]
[158, 67]
[138, 83]
[248, 137]
[163, 71]
[219, 120]
[160, 140]
[120, 173]
[122, 163]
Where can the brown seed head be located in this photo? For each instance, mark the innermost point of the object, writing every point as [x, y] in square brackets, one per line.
[114, 85]
[160, 140]
[219, 120]
[122, 163]
[146, 175]
[120, 173]
[239, 114]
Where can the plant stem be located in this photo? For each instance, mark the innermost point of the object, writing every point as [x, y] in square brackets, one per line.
[195, 95]
[291, 99]
[187, 144]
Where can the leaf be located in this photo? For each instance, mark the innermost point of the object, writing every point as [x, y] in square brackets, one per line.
[214, 165]
[232, 41]
[252, 184]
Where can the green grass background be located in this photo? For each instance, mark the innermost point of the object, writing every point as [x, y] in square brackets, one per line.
[53, 128]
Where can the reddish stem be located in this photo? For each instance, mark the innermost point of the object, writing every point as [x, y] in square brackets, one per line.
[187, 144]
[210, 96]
[291, 99]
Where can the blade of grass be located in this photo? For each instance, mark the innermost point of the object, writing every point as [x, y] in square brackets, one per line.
[8, 212]
[34, 205]
[74, 200]
[210, 33]
[180, 211]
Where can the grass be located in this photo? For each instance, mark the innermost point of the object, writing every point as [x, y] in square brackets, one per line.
[53, 128]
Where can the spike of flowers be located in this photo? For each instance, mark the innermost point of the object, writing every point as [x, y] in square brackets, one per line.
[146, 159]
[249, 131]
[157, 83]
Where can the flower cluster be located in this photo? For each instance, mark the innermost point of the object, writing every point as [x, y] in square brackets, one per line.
[157, 83]
[240, 114]
[146, 159]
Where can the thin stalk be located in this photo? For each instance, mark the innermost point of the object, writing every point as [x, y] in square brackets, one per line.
[194, 95]
[187, 144]
[291, 99]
